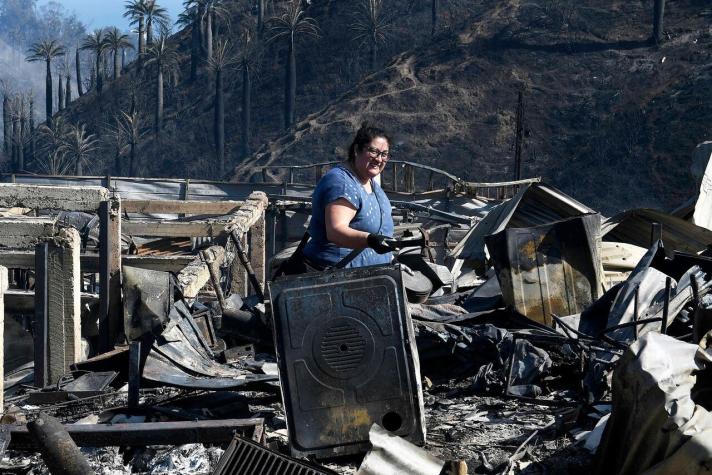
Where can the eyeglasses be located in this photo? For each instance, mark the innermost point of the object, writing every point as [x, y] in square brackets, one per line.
[375, 153]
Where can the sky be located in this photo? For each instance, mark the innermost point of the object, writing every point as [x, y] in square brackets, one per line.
[100, 13]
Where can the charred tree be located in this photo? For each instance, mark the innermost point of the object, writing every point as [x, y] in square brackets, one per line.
[78, 66]
[6, 125]
[60, 93]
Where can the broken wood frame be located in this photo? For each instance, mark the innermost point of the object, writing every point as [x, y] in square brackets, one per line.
[92, 199]
[246, 219]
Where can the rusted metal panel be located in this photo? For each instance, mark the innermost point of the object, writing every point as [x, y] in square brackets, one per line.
[555, 268]
[347, 359]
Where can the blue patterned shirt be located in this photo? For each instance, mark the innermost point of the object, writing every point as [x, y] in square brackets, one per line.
[373, 215]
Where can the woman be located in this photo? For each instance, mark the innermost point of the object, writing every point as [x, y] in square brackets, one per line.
[350, 210]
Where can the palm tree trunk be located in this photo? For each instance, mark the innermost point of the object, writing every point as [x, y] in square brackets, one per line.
[60, 94]
[32, 129]
[159, 99]
[21, 138]
[16, 135]
[260, 16]
[291, 91]
[149, 33]
[219, 124]
[194, 49]
[117, 65]
[77, 64]
[78, 168]
[209, 36]
[48, 93]
[658, 20]
[99, 75]
[132, 159]
[6, 124]
[68, 91]
[374, 54]
[117, 162]
[141, 44]
[246, 110]
[201, 20]
[123, 59]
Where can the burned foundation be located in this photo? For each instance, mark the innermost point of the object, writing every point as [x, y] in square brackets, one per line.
[143, 314]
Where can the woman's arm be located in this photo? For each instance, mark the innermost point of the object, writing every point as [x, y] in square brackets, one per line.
[338, 216]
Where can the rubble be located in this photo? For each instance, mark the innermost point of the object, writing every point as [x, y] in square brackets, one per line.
[518, 331]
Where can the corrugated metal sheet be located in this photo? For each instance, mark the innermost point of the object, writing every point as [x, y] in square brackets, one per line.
[634, 227]
[534, 205]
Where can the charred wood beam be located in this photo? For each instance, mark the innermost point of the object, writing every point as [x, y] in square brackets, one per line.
[90, 262]
[148, 433]
[181, 207]
[196, 274]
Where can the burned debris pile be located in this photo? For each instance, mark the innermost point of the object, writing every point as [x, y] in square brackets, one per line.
[517, 331]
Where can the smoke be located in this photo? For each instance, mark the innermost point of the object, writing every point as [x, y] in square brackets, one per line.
[19, 76]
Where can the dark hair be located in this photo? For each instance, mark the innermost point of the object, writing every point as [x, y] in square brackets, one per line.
[364, 136]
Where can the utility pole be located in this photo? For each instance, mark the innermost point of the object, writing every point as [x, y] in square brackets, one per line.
[658, 21]
[519, 137]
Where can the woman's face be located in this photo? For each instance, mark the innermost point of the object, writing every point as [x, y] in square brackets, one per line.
[372, 159]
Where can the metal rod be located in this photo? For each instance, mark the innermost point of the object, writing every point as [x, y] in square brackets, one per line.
[656, 233]
[666, 306]
[635, 311]
[214, 277]
[134, 373]
[248, 267]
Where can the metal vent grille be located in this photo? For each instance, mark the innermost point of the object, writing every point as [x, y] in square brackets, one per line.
[343, 348]
[249, 458]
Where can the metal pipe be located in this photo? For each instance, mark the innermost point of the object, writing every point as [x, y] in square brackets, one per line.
[666, 305]
[59, 452]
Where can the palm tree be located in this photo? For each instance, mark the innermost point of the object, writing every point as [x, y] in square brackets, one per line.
[247, 60]
[163, 55]
[370, 26]
[290, 24]
[190, 17]
[154, 13]
[46, 51]
[130, 125]
[434, 17]
[117, 42]
[97, 44]
[51, 141]
[221, 60]
[135, 11]
[115, 139]
[78, 146]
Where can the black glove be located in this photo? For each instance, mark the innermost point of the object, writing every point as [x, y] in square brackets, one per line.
[381, 244]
